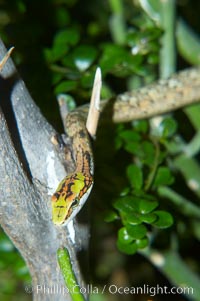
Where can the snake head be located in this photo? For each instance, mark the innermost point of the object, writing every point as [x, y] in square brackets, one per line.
[70, 196]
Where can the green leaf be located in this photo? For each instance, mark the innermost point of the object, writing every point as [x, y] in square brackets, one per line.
[153, 59]
[133, 38]
[148, 152]
[66, 37]
[129, 135]
[188, 43]
[135, 176]
[142, 243]
[62, 17]
[127, 204]
[48, 54]
[84, 56]
[143, 42]
[125, 191]
[65, 86]
[147, 206]
[129, 249]
[124, 237]
[164, 219]
[62, 40]
[163, 176]
[118, 60]
[153, 9]
[148, 218]
[136, 231]
[56, 78]
[130, 218]
[71, 104]
[59, 52]
[55, 54]
[167, 127]
[141, 126]
[193, 113]
[110, 216]
[106, 91]
[87, 79]
[132, 147]
[6, 245]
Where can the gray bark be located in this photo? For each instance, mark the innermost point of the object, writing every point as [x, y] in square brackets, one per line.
[29, 163]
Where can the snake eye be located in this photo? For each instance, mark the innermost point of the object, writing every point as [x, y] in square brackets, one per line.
[75, 203]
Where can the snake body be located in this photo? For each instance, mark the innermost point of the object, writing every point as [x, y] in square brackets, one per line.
[73, 190]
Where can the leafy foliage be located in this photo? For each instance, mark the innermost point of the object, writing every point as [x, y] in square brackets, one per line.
[12, 267]
[137, 206]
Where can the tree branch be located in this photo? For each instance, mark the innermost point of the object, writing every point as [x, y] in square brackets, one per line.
[181, 89]
[25, 213]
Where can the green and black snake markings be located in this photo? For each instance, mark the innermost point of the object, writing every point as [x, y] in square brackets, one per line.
[73, 190]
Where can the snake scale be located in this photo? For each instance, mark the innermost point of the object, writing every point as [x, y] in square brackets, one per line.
[73, 190]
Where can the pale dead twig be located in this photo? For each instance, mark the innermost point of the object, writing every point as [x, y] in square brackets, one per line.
[5, 58]
[94, 109]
